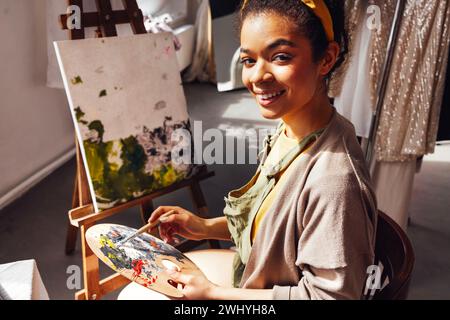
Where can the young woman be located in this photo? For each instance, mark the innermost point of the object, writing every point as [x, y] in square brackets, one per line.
[304, 225]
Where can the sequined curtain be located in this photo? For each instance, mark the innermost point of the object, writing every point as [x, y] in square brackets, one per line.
[409, 117]
[410, 113]
[354, 10]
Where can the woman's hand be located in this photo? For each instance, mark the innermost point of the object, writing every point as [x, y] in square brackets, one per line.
[179, 221]
[195, 284]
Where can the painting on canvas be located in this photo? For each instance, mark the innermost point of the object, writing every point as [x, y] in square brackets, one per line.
[127, 100]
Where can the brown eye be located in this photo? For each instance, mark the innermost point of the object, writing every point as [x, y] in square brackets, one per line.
[247, 62]
[282, 57]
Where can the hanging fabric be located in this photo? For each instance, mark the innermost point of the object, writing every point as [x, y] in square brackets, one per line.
[354, 100]
[409, 117]
[354, 84]
[202, 67]
[393, 183]
[353, 12]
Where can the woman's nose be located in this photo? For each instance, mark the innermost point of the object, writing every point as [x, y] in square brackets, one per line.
[261, 74]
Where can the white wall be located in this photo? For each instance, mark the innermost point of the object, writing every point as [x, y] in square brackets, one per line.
[35, 125]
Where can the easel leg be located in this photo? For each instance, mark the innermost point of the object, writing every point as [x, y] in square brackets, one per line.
[72, 231]
[202, 209]
[90, 268]
[146, 210]
[71, 238]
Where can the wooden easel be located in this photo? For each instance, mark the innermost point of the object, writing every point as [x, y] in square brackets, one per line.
[82, 215]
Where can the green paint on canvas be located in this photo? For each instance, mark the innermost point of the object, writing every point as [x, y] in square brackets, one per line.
[97, 126]
[79, 116]
[117, 168]
[76, 80]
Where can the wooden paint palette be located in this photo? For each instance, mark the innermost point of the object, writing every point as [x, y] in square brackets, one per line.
[144, 259]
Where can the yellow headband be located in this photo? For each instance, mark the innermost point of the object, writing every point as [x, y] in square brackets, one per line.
[320, 9]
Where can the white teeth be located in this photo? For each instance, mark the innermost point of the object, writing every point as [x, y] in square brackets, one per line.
[271, 95]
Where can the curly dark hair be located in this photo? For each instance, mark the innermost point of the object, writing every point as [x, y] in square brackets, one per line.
[309, 25]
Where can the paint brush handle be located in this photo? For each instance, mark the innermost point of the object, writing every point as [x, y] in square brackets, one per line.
[148, 227]
[152, 225]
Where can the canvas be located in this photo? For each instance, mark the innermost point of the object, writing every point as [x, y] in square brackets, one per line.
[127, 100]
[143, 259]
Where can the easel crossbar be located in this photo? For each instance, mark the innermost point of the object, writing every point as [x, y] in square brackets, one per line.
[92, 19]
[86, 215]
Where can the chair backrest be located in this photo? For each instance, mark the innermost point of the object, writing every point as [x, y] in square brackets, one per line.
[394, 252]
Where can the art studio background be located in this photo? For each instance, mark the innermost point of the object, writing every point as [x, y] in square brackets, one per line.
[410, 166]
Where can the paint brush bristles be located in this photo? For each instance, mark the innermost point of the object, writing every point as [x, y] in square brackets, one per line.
[148, 227]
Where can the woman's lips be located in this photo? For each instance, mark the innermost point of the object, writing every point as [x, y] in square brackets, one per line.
[267, 98]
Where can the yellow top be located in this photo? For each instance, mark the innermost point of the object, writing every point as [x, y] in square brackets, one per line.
[321, 10]
[282, 146]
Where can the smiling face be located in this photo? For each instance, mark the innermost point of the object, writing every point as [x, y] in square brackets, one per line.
[278, 66]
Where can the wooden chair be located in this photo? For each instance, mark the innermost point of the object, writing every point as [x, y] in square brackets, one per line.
[394, 250]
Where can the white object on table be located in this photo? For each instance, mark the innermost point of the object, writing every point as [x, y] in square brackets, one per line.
[21, 281]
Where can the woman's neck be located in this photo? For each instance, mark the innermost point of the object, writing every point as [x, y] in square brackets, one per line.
[309, 118]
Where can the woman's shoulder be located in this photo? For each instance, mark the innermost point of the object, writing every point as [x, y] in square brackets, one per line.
[338, 157]
[338, 176]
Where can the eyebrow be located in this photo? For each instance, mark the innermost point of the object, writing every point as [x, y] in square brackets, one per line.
[281, 42]
[275, 44]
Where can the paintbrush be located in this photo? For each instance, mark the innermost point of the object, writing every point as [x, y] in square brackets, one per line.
[148, 227]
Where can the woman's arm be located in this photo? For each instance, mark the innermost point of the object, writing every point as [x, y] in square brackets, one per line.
[176, 220]
[217, 228]
[221, 293]
[197, 287]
